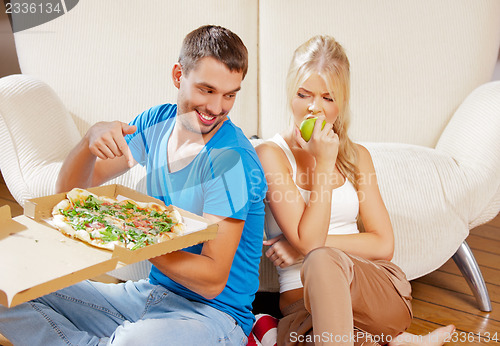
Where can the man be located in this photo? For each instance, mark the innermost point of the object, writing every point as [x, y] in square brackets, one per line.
[197, 160]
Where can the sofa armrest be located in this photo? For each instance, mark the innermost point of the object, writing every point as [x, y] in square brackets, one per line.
[415, 183]
[471, 138]
[36, 133]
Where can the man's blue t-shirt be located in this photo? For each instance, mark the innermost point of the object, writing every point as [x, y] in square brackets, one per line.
[224, 179]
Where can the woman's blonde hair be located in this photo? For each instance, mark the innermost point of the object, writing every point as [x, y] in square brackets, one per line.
[324, 56]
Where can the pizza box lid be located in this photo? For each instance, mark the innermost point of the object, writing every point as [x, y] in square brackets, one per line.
[36, 259]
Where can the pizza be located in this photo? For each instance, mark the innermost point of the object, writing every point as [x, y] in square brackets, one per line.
[105, 222]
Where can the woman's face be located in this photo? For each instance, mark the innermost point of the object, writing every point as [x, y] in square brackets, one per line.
[312, 100]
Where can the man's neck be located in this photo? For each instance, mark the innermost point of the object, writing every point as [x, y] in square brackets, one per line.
[184, 145]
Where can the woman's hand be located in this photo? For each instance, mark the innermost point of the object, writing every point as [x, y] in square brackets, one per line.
[323, 144]
[281, 253]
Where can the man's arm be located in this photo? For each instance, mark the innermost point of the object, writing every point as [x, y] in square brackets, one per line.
[101, 155]
[207, 273]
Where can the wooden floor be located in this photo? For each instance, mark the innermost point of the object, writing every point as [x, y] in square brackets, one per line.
[443, 297]
[439, 298]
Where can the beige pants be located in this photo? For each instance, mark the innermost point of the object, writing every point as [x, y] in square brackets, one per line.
[347, 301]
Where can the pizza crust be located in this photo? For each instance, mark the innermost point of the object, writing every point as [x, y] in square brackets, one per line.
[60, 223]
[79, 195]
[63, 205]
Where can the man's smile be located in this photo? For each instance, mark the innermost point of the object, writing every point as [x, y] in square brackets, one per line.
[205, 118]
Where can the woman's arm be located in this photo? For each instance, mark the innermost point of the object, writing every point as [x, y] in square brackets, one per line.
[304, 226]
[377, 242]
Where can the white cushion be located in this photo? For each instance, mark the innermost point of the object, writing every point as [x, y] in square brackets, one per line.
[36, 132]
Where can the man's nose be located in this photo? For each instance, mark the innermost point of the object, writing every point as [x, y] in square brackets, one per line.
[215, 105]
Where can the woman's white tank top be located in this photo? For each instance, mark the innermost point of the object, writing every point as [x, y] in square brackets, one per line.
[343, 218]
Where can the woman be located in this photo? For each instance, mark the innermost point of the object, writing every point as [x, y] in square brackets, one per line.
[344, 291]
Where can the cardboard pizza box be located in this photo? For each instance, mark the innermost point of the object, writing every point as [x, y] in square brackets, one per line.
[36, 259]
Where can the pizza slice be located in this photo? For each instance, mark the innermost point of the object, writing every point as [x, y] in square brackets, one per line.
[106, 222]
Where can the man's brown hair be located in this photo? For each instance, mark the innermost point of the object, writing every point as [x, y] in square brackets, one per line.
[216, 42]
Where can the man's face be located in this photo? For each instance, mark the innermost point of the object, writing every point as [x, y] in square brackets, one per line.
[206, 94]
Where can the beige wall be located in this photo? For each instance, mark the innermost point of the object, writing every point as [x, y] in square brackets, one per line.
[8, 57]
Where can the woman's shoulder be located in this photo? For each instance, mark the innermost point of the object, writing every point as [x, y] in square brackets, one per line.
[362, 151]
[364, 158]
[268, 149]
[271, 154]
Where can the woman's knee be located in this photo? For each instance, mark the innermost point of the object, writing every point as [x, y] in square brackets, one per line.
[326, 260]
[322, 255]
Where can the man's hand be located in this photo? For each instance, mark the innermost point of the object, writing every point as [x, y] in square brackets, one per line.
[106, 140]
[281, 253]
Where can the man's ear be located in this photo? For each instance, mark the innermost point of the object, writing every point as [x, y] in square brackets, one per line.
[177, 74]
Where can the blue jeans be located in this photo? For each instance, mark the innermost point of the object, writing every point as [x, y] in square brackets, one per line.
[131, 313]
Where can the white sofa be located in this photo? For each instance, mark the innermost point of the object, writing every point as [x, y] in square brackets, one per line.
[421, 100]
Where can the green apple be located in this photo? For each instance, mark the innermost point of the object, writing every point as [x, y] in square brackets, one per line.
[307, 126]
